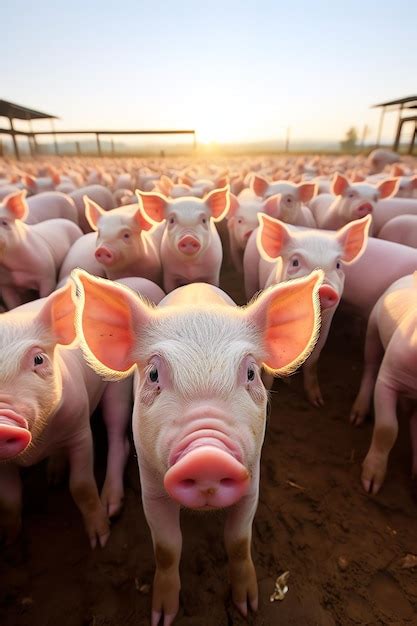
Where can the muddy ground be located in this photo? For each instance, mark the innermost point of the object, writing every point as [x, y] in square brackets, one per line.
[341, 546]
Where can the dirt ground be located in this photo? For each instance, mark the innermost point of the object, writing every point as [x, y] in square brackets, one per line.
[342, 547]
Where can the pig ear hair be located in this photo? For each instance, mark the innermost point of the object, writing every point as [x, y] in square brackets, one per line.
[353, 238]
[271, 237]
[153, 205]
[388, 187]
[288, 317]
[93, 211]
[106, 321]
[339, 184]
[16, 204]
[307, 191]
[58, 314]
[259, 185]
[218, 202]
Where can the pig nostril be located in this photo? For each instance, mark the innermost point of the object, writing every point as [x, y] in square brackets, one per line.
[227, 482]
[188, 482]
[11, 441]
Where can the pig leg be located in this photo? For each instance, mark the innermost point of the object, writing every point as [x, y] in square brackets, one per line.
[163, 517]
[383, 438]
[311, 384]
[10, 502]
[374, 353]
[238, 536]
[236, 255]
[117, 412]
[84, 489]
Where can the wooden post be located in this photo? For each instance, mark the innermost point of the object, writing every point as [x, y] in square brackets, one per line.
[54, 134]
[112, 146]
[287, 140]
[398, 135]
[98, 145]
[78, 148]
[413, 138]
[381, 121]
[16, 147]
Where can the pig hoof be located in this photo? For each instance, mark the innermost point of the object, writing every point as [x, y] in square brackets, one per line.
[358, 414]
[165, 599]
[314, 397]
[373, 474]
[98, 528]
[166, 620]
[112, 499]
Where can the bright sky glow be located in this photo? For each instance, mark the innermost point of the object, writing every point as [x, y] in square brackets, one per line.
[234, 70]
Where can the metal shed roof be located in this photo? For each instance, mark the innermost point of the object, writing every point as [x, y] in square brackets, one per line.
[16, 111]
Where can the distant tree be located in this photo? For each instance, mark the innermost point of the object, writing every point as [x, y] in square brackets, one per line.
[349, 143]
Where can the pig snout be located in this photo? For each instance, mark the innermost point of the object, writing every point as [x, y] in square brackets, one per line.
[364, 209]
[207, 475]
[328, 296]
[104, 255]
[189, 245]
[14, 434]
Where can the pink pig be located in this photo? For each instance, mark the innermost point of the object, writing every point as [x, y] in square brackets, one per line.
[390, 373]
[352, 201]
[386, 210]
[200, 407]
[292, 195]
[30, 256]
[242, 220]
[97, 193]
[191, 250]
[288, 253]
[402, 229]
[44, 206]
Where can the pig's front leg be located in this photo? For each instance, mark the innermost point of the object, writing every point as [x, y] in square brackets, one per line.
[47, 285]
[237, 537]
[374, 353]
[84, 488]
[311, 384]
[163, 517]
[117, 412]
[383, 438]
[10, 502]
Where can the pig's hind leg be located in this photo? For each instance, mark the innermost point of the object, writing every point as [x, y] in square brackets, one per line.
[117, 412]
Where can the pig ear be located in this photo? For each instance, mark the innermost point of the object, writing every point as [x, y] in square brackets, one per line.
[288, 317]
[414, 182]
[339, 184]
[55, 177]
[271, 206]
[185, 179]
[165, 185]
[222, 181]
[58, 314]
[271, 237]
[353, 238]
[397, 170]
[388, 188]
[30, 182]
[234, 205]
[307, 191]
[259, 185]
[93, 212]
[16, 204]
[357, 178]
[143, 220]
[107, 315]
[218, 201]
[153, 204]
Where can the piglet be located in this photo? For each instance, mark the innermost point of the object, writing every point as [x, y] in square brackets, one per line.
[401, 229]
[191, 249]
[390, 373]
[30, 256]
[44, 206]
[200, 406]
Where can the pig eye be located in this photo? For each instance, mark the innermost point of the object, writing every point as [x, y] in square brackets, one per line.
[153, 375]
[351, 194]
[204, 220]
[295, 263]
[338, 265]
[126, 235]
[172, 220]
[239, 220]
[288, 199]
[251, 373]
[4, 223]
[38, 359]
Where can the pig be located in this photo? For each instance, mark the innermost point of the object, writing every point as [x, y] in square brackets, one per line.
[380, 265]
[97, 193]
[291, 194]
[390, 373]
[7, 190]
[293, 253]
[407, 187]
[30, 255]
[402, 229]
[199, 412]
[191, 249]
[42, 183]
[352, 201]
[81, 254]
[46, 396]
[386, 210]
[381, 157]
[44, 206]
[127, 241]
[123, 196]
[242, 219]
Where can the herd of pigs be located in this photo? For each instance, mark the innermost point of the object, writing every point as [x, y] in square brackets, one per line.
[109, 278]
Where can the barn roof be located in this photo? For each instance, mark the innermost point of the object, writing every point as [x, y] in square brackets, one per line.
[398, 102]
[16, 111]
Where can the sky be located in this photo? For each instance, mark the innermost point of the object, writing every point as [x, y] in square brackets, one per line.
[233, 70]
